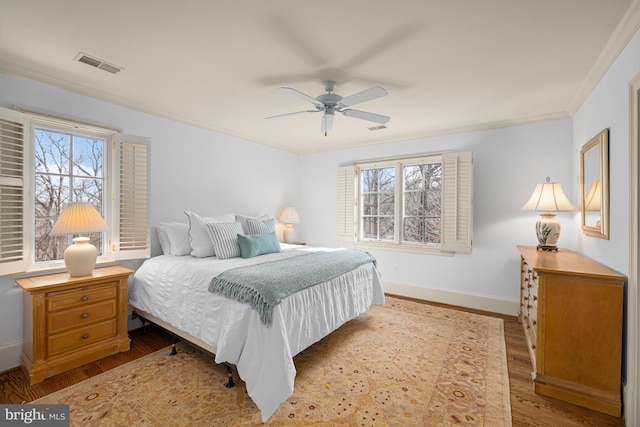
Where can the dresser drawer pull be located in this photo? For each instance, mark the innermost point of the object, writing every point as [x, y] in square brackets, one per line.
[85, 288]
[85, 298]
[85, 315]
[85, 336]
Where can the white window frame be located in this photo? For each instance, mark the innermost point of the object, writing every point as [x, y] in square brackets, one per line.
[456, 210]
[128, 235]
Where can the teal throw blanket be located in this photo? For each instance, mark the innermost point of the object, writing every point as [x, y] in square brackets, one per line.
[264, 285]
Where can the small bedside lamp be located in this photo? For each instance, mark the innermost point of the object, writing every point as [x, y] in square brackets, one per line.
[548, 197]
[79, 217]
[289, 216]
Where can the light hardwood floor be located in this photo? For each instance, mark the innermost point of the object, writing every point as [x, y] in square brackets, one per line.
[527, 408]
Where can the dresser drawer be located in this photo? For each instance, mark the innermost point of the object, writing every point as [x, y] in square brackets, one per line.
[81, 295]
[86, 314]
[64, 342]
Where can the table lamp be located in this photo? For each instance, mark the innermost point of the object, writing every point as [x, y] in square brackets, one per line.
[548, 197]
[289, 216]
[79, 217]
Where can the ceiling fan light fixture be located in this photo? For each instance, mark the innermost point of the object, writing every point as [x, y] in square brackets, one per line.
[329, 103]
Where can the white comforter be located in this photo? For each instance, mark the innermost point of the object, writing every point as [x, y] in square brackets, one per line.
[175, 289]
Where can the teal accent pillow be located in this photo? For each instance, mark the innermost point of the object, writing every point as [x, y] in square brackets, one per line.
[258, 244]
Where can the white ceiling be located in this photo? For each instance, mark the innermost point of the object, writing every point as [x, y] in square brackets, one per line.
[449, 65]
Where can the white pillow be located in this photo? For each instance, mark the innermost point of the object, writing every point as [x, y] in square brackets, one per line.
[259, 226]
[225, 239]
[163, 238]
[201, 244]
[242, 219]
[178, 234]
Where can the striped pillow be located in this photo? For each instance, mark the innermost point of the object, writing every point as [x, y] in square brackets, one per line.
[225, 238]
[259, 226]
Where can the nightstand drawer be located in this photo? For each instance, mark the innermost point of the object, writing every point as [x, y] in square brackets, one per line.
[61, 320]
[81, 295]
[62, 343]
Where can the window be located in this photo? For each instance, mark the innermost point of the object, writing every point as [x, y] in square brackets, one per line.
[69, 167]
[46, 163]
[418, 204]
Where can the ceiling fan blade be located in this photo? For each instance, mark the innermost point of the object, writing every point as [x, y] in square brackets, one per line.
[292, 114]
[327, 123]
[365, 95]
[302, 96]
[372, 117]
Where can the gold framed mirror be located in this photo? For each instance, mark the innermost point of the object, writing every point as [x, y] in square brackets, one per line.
[594, 186]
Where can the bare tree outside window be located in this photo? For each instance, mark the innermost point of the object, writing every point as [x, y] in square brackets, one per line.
[422, 203]
[68, 168]
[378, 203]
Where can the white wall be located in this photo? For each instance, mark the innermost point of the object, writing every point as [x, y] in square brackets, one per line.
[508, 163]
[608, 107]
[191, 169]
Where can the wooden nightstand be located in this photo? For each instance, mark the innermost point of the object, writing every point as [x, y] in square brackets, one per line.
[70, 321]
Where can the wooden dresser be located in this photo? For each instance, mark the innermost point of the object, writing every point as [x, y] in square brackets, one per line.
[71, 321]
[571, 311]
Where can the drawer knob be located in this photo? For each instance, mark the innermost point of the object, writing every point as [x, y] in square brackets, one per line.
[85, 315]
[85, 298]
[85, 289]
[85, 336]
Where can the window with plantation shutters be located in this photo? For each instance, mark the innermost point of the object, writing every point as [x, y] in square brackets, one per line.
[12, 149]
[417, 204]
[133, 197]
[47, 162]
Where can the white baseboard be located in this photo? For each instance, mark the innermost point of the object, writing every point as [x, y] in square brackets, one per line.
[631, 404]
[10, 355]
[462, 299]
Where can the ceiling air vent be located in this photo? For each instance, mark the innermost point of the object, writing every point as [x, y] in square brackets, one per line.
[379, 127]
[98, 63]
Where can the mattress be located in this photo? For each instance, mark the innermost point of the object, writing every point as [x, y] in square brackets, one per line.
[175, 290]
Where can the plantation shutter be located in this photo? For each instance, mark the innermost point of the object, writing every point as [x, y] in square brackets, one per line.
[346, 203]
[457, 202]
[131, 239]
[12, 151]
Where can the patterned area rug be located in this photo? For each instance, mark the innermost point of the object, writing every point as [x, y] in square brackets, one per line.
[403, 363]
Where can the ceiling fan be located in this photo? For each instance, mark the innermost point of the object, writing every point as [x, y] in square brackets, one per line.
[329, 103]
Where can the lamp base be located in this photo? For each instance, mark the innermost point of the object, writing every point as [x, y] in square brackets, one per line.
[289, 234]
[548, 231]
[80, 258]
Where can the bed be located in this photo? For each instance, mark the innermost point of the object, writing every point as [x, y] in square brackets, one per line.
[173, 292]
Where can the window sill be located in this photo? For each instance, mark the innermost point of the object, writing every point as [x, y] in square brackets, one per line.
[401, 248]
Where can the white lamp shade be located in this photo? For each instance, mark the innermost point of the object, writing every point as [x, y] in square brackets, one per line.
[79, 217]
[548, 197]
[593, 201]
[289, 216]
